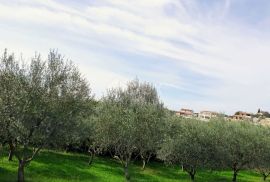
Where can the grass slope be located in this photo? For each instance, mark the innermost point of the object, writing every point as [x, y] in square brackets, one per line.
[51, 166]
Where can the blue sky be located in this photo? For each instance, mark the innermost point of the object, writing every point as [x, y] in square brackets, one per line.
[200, 54]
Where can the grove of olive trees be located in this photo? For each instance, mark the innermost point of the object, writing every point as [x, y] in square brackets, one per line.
[48, 104]
[216, 145]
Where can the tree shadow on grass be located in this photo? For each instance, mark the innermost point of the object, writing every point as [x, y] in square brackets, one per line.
[48, 166]
[7, 175]
[51, 165]
[224, 176]
[164, 172]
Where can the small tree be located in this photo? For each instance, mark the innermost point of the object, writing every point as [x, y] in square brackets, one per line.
[261, 162]
[187, 145]
[238, 145]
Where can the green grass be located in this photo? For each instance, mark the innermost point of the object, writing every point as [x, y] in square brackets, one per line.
[51, 166]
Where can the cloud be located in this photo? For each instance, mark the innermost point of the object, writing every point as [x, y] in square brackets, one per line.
[197, 53]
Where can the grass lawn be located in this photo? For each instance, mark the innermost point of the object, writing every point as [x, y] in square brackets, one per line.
[51, 166]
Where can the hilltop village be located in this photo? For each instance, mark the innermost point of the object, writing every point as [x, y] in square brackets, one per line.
[261, 117]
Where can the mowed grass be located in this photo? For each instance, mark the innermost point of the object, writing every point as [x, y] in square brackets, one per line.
[50, 166]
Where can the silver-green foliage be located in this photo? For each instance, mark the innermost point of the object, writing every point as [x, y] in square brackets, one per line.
[240, 145]
[129, 121]
[41, 103]
[187, 144]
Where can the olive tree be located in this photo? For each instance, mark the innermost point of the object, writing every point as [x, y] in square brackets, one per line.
[187, 144]
[50, 99]
[88, 133]
[261, 162]
[79, 135]
[239, 143]
[116, 127]
[125, 117]
[150, 119]
[150, 131]
[2, 131]
[10, 99]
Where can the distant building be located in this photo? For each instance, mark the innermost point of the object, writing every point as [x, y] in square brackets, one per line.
[240, 115]
[206, 115]
[187, 113]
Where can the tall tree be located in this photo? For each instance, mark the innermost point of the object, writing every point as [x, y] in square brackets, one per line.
[116, 129]
[150, 118]
[10, 99]
[50, 98]
[150, 131]
[121, 114]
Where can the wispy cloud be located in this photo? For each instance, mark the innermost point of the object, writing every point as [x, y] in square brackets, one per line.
[200, 54]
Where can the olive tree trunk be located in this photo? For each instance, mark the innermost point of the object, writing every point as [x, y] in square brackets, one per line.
[11, 151]
[191, 171]
[144, 162]
[235, 172]
[265, 175]
[21, 171]
[91, 157]
[23, 161]
[126, 171]
[192, 175]
[234, 176]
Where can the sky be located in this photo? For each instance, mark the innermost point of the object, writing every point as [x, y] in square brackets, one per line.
[200, 54]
